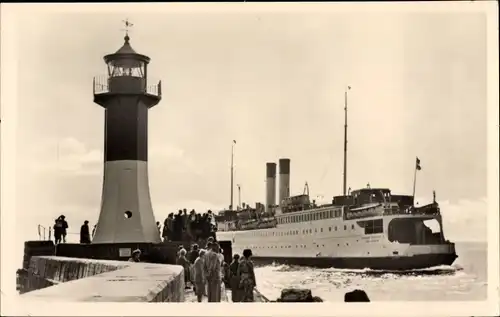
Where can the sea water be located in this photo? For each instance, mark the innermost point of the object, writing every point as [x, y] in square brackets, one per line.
[465, 280]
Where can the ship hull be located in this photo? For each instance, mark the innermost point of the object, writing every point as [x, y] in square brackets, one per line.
[401, 263]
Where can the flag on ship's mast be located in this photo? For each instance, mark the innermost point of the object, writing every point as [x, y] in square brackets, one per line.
[417, 165]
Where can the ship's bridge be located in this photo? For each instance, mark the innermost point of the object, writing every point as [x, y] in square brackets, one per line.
[371, 195]
[364, 196]
[368, 196]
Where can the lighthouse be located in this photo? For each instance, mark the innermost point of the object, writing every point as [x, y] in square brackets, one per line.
[126, 213]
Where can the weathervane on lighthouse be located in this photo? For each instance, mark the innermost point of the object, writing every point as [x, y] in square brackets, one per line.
[128, 26]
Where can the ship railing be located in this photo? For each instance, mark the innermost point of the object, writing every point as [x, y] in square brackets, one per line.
[430, 209]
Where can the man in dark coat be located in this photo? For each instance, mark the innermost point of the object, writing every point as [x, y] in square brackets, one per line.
[85, 232]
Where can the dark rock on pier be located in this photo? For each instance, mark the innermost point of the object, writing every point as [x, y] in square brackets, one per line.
[356, 296]
[296, 295]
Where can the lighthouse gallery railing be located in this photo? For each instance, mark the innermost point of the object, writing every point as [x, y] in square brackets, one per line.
[101, 86]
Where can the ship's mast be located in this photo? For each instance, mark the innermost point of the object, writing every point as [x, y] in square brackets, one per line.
[232, 173]
[345, 143]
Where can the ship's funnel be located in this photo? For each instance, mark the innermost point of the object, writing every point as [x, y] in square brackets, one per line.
[284, 191]
[270, 186]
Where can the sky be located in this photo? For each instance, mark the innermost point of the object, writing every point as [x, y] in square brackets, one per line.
[273, 81]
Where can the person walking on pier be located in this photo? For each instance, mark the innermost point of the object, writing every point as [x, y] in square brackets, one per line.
[136, 256]
[182, 261]
[234, 280]
[85, 232]
[168, 228]
[158, 225]
[212, 267]
[60, 228]
[199, 276]
[64, 227]
[192, 256]
[246, 275]
[178, 226]
[57, 231]
[184, 219]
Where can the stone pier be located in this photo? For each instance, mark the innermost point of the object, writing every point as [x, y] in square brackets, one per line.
[88, 280]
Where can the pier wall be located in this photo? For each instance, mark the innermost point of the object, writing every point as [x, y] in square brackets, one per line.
[90, 280]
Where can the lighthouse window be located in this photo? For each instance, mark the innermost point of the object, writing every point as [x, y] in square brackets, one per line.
[345, 227]
[128, 214]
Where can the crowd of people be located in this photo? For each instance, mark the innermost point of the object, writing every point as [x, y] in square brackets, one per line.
[188, 227]
[207, 272]
[180, 227]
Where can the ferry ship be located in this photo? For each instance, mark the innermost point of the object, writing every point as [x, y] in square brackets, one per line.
[370, 228]
[366, 228]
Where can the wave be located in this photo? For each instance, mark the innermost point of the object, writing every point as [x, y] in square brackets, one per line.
[436, 270]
